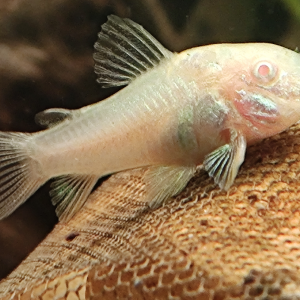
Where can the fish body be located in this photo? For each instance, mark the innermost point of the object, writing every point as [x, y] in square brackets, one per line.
[152, 125]
[178, 111]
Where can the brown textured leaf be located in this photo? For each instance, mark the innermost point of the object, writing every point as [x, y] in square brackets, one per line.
[204, 244]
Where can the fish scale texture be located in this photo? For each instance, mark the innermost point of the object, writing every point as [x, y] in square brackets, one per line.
[203, 244]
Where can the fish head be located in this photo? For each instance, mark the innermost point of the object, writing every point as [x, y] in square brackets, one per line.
[261, 82]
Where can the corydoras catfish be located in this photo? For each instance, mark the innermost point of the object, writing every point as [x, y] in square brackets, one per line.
[202, 106]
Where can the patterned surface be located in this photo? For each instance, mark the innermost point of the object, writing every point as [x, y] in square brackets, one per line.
[204, 244]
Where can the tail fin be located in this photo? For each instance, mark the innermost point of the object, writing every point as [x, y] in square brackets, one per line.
[19, 176]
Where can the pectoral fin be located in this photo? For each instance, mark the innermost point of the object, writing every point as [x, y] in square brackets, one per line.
[164, 182]
[224, 163]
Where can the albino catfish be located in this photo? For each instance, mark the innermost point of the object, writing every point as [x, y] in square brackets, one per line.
[201, 106]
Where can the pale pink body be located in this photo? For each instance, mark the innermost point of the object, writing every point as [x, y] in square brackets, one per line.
[201, 106]
[138, 126]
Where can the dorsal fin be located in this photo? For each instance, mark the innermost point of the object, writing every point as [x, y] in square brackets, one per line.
[53, 116]
[124, 51]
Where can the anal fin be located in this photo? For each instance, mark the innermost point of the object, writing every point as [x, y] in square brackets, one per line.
[70, 192]
[163, 182]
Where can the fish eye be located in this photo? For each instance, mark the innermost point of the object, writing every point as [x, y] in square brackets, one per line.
[264, 71]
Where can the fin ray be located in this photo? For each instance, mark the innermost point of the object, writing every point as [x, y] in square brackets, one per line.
[70, 192]
[125, 50]
[19, 178]
[223, 163]
[129, 54]
[146, 39]
[147, 62]
[135, 58]
[163, 182]
[116, 67]
[108, 56]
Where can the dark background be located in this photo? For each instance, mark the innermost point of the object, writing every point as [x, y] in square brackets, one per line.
[46, 61]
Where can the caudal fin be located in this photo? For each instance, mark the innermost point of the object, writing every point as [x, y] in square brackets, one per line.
[19, 177]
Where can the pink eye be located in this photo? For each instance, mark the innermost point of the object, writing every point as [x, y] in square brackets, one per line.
[264, 71]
